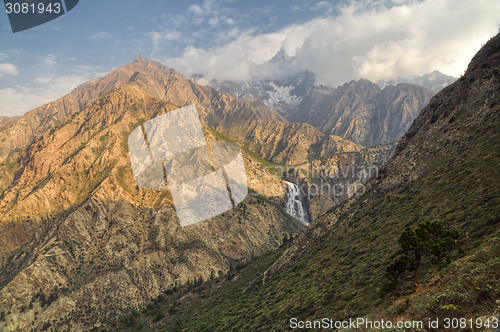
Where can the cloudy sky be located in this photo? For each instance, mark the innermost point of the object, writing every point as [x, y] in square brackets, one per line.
[229, 39]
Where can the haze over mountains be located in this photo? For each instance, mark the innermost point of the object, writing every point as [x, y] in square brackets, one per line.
[435, 81]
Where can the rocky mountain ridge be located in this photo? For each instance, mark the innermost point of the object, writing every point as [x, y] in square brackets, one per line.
[435, 81]
[362, 112]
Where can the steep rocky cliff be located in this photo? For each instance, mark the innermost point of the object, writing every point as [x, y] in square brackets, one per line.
[362, 112]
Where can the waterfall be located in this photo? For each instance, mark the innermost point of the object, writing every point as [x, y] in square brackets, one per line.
[294, 203]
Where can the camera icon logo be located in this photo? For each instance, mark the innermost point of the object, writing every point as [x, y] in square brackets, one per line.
[204, 179]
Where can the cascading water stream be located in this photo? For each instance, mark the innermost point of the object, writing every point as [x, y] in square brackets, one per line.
[294, 203]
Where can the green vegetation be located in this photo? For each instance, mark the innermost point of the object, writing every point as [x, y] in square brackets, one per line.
[466, 288]
[428, 239]
[341, 268]
[11, 165]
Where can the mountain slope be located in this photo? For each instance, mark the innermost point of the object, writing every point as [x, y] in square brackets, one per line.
[152, 76]
[444, 168]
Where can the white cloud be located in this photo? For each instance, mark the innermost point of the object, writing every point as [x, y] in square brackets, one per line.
[158, 38]
[234, 61]
[7, 68]
[366, 40]
[203, 23]
[42, 80]
[50, 59]
[20, 99]
[100, 35]
[208, 8]
[323, 6]
[195, 9]
[3, 56]
[213, 21]
[13, 101]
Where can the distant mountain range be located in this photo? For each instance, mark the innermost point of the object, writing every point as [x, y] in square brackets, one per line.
[359, 111]
[435, 81]
[362, 112]
[281, 95]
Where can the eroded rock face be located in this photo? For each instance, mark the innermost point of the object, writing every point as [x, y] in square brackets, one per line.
[109, 257]
[362, 112]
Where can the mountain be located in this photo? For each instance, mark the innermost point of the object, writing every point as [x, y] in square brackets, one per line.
[281, 59]
[152, 76]
[81, 242]
[284, 91]
[341, 176]
[444, 168]
[280, 95]
[362, 112]
[259, 127]
[359, 111]
[435, 81]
